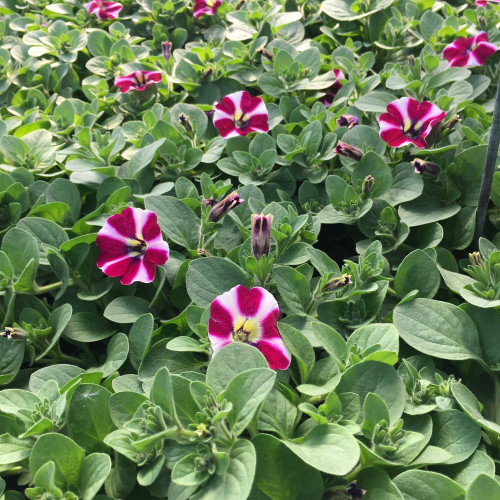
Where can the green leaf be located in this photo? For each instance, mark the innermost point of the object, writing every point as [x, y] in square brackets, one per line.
[377, 484]
[294, 289]
[88, 327]
[438, 329]
[209, 277]
[331, 341]
[329, 448]
[425, 485]
[139, 338]
[95, 469]
[246, 391]
[300, 347]
[372, 164]
[116, 355]
[484, 487]
[142, 158]
[465, 472]
[13, 450]
[89, 421]
[66, 455]
[417, 272]
[176, 220]
[123, 405]
[342, 10]
[62, 374]
[126, 309]
[162, 392]
[281, 475]
[424, 210]
[11, 359]
[21, 248]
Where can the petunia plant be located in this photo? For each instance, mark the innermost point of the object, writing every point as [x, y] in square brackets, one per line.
[249, 250]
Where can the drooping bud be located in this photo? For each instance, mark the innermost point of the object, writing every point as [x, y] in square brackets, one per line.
[481, 21]
[367, 185]
[202, 252]
[14, 333]
[476, 259]
[183, 119]
[266, 53]
[240, 4]
[207, 73]
[336, 283]
[411, 60]
[166, 50]
[347, 150]
[222, 207]
[354, 492]
[348, 121]
[448, 125]
[261, 234]
[423, 166]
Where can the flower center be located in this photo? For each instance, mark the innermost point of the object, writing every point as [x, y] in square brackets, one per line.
[139, 79]
[210, 3]
[412, 129]
[136, 246]
[240, 120]
[246, 330]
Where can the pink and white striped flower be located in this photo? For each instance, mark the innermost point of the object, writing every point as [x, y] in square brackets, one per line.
[239, 114]
[208, 7]
[250, 316]
[137, 80]
[408, 121]
[333, 90]
[484, 3]
[131, 246]
[471, 51]
[103, 9]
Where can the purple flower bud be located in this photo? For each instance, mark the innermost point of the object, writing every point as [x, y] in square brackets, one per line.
[266, 53]
[202, 252]
[14, 333]
[348, 121]
[451, 122]
[166, 50]
[411, 60]
[423, 166]
[476, 259]
[221, 208]
[367, 185]
[261, 234]
[210, 113]
[183, 119]
[347, 150]
[355, 492]
[207, 73]
[336, 283]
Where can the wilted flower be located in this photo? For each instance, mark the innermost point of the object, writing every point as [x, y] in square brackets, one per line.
[166, 50]
[484, 3]
[333, 90]
[239, 114]
[261, 234]
[476, 259]
[131, 246]
[408, 121]
[208, 7]
[348, 121]
[471, 51]
[221, 208]
[367, 185]
[423, 166]
[249, 316]
[103, 9]
[138, 80]
[336, 283]
[345, 149]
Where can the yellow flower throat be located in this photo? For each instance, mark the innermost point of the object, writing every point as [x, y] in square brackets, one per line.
[240, 119]
[246, 330]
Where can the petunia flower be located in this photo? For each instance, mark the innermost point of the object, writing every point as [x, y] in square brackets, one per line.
[131, 246]
[484, 3]
[103, 9]
[208, 7]
[408, 121]
[239, 114]
[138, 80]
[471, 51]
[249, 316]
[333, 90]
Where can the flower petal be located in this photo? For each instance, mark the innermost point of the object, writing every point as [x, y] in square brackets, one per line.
[124, 222]
[220, 324]
[275, 352]
[140, 270]
[226, 127]
[258, 123]
[157, 255]
[116, 267]
[249, 104]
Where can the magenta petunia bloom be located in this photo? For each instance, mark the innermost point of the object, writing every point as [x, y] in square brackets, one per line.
[484, 3]
[408, 121]
[469, 51]
[103, 9]
[131, 246]
[138, 80]
[333, 90]
[239, 114]
[208, 7]
[250, 316]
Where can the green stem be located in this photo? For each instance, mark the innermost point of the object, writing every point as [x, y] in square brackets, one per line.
[47, 288]
[496, 378]
[489, 170]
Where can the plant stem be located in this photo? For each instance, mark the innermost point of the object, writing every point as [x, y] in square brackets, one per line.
[489, 170]
[496, 378]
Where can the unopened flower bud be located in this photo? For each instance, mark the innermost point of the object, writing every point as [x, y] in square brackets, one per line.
[207, 73]
[348, 121]
[210, 114]
[428, 167]
[202, 252]
[14, 333]
[240, 4]
[209, 202]
[166, 50]
[336, 283]
[367, 185]
[347, 150]
[476, 259]
[481, 21]
[451, 122]
[183, 119]
[224, 206]
[355, 492]
[266, 53]
[411, 60]
[261, 234]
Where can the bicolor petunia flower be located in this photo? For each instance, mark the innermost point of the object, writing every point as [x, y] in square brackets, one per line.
[240, 114]
[208, 7]
[138, 80]
[249, 316]
[408, 121]
[333, 90]
[471, 51]
[131, 246]
[103, 9]
[484, 3]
